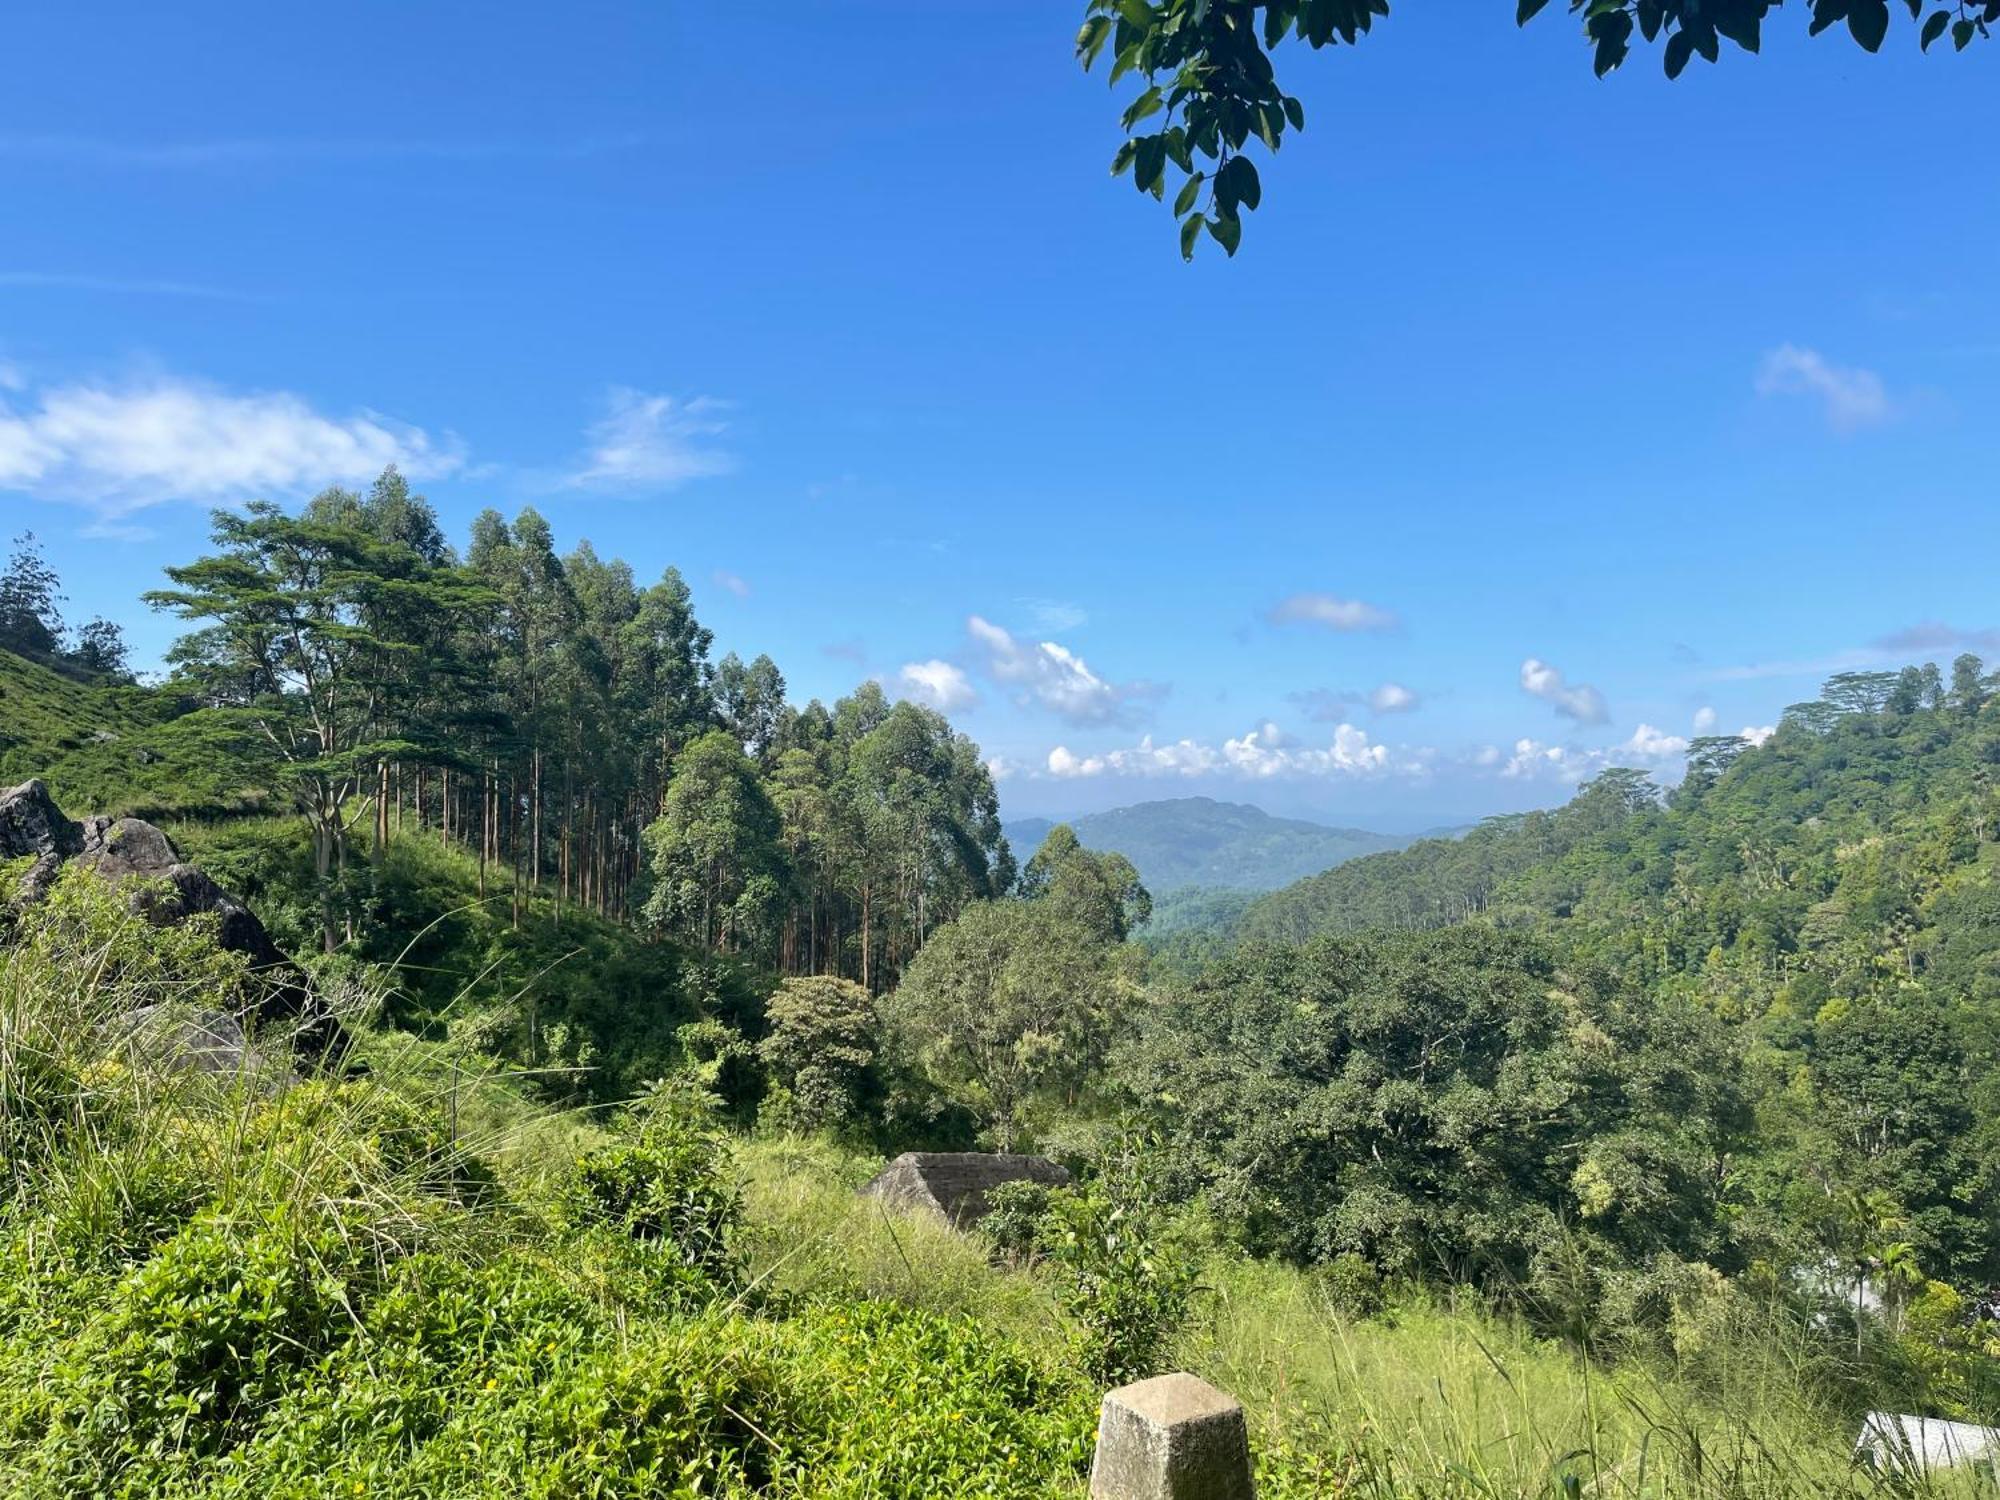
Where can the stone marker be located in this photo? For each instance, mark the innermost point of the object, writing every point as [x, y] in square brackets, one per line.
[1171, 1438]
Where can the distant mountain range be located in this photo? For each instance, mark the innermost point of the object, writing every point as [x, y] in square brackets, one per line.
[1198, 841]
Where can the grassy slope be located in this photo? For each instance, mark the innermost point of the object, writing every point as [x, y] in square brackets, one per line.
[127, 750]
[374, 1288]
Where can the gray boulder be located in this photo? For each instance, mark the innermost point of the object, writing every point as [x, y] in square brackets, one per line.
[952, 1185]
[199, 1041]
[166, 891]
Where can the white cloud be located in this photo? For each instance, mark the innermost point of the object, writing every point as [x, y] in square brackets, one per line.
[1053, 616]
[1578, 701]
[651, 442]
[118, 449]
[939, 684]
[1704, 719]
[734, 582]
[1049, 674]
[1532, 759]
[1650, 744]
[1393, 698]
[1850, 397]
[1333, 612]
[1260, 754]
[1756, 734]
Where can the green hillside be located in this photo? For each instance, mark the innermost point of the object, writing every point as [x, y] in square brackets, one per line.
[1197, 841]
[116, 749]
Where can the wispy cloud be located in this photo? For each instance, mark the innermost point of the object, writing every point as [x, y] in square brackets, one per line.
[1579, 700]
[1816, 666]
[1850, 397]
[1935, 635]
[1332, 611]
[119, 448]
[938, 684]
[733, 582]
[1053, 616]
[67, 281]
[217, 154]
[1052, 676]
[1330, 706]
[651, 442]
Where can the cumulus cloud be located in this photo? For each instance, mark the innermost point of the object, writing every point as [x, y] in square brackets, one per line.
[1533, 759]
[1578, 701]
[734, 582]
[1331, 611]
[1756, 734]
[1393, 698]
[1650, 744]
[651, 442]
[119, 448]
[1704, 719]
[1850, 397]
[1051, 675]
[939, 684]
[1260, 754]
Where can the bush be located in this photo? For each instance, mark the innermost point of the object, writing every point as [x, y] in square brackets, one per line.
[1127, 1273]
[1016, 1221]
[668, 1186]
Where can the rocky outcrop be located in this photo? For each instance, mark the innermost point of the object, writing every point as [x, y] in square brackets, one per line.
[167, 891]
[953, 1184]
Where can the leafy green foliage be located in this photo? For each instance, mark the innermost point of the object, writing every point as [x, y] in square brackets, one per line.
[1441, 1107]
[667, 1187]
[1008, 1002]
[820, 1048]
[1209, 88]
[1126, 1268]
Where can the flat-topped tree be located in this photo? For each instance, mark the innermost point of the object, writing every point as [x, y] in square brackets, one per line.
[1210, 88]
[314, 629]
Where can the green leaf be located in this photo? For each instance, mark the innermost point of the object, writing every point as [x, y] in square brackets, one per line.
[1090, 38]
[1190, 232]
[1961, 34]
[1295, 112]
[1149, 160]
[1226, 232]
[1122, 161]
[1184, 200]
[1527, 10]
[1934, 28]
[1868, 20]
[1147, 104]
[1680, 46]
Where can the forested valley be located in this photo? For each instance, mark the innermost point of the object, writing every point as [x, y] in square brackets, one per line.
[1635, 1147]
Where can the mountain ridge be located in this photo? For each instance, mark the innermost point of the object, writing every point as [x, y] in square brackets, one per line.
[1201, 841]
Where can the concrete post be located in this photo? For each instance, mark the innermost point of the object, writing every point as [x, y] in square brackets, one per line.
[1171, 1438]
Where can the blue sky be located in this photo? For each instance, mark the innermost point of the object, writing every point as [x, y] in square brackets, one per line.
[1541, 421]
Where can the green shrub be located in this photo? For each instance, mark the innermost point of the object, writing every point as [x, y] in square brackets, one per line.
[667, 1186]
[1127, 1274]
[1015, 1222]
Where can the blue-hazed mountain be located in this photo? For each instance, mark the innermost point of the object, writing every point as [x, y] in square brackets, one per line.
[1198, 841]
